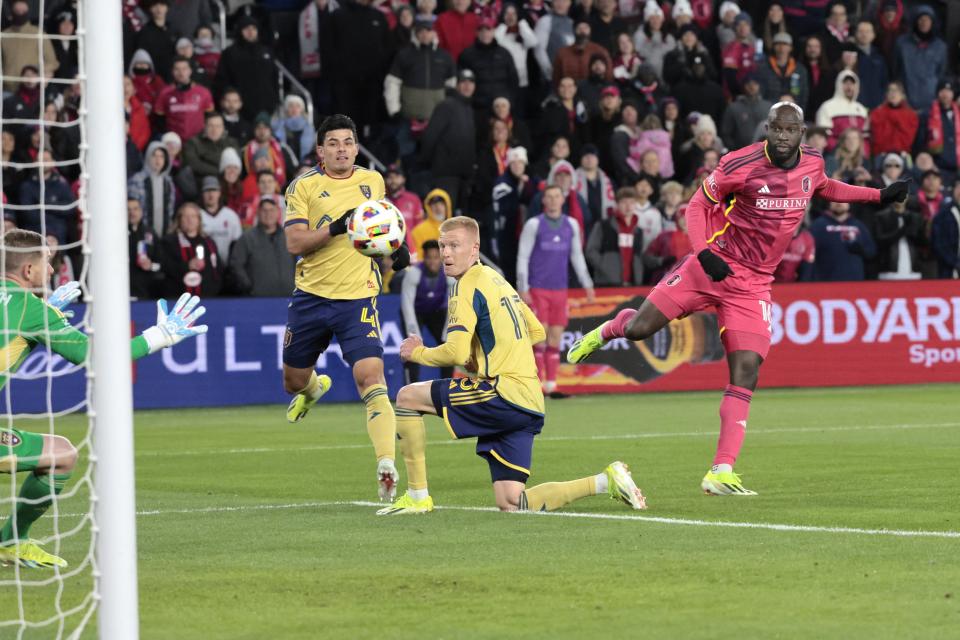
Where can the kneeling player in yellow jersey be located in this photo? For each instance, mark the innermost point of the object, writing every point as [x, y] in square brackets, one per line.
[337, 287]
[492, 329]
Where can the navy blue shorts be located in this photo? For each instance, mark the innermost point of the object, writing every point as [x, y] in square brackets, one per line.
[504, 432]
[312, 321]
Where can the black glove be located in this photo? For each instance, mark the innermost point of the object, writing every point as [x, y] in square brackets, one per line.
[339, 226]
[896, 192]
[713, 265]
[401, 258]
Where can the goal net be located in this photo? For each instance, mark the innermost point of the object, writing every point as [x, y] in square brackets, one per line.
[63, 158]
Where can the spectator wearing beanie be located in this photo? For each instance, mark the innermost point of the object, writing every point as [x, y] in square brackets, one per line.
[220, 222]
[893, 124]
[943, 128]
[651, 41]
[698, 92]
[780, 74]
[157, 39]
[146, 82]
[605, 24]
[493, 69]
[739, 57]
[512, 193]
[457, 28]
[554, 31]
[692, 152]
[593, 184]
[890, 26]
[920, 58]
[418, 75]
[745, 114]
[677, 64]
[726, 29]
[589, 89]
[249, 67]
[293, 129]
[231, 185]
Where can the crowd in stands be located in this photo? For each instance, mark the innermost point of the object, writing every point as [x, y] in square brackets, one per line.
[476, 107]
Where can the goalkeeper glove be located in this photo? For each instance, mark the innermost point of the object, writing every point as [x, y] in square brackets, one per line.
[176, 325]
[896, 192]
[64, 296]
[401, 258]
[713, 265]
[339, 226]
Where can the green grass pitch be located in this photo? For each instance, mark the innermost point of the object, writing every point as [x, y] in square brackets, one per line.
[248, 527]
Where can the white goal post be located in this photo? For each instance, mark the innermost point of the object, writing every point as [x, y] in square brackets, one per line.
[111, 402]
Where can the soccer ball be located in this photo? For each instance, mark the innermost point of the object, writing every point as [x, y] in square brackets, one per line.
[376, 228]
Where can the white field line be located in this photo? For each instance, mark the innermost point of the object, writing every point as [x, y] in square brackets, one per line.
[621, 436]
[901, 533]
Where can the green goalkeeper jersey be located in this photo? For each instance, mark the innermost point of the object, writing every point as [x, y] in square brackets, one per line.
[27, 321]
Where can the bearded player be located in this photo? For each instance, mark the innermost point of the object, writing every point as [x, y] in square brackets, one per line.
[336, 289]
[26, 322]
[740, 223]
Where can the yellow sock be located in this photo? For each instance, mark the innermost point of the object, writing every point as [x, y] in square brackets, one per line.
[313, 386]
[553, 495]
[413, 444]
[381, 423]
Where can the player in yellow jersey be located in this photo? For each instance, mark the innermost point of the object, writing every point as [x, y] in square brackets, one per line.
[492, 331]
[336, 289]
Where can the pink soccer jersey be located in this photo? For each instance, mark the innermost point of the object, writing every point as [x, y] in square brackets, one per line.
[759, 206]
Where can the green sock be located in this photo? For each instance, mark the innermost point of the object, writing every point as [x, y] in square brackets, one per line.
[37, 488]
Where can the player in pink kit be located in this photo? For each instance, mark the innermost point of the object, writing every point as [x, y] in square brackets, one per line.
[739, 223]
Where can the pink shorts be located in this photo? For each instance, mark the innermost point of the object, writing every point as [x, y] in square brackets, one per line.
[550, 306]
[743, 314]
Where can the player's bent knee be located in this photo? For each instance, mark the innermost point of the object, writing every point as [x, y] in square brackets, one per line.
[65, 454]
[295, 380]
[406, 397]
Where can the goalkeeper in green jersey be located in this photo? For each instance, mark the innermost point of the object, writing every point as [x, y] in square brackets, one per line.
[28, 321]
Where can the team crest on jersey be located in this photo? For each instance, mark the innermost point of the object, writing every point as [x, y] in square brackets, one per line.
[805, 184]
[9, 439]
[365, 190]
[674, 280]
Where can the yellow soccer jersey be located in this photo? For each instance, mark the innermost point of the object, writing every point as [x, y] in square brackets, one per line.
[488, 321]
[336, 271]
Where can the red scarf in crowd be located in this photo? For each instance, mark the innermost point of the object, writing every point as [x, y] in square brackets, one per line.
[574, 210]
[840, 33]
[625, 228]
[193, 280]
[935, 128]
[500, 155]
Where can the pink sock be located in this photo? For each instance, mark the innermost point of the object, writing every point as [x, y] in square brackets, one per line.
[539, 351]
[734, 409]
[616, 327]
[552, 363]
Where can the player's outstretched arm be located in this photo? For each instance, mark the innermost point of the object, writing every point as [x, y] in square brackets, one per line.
[836, 191]
[454, 352]
[172, 327]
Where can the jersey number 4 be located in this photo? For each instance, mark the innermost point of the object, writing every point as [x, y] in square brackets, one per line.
[510, 305]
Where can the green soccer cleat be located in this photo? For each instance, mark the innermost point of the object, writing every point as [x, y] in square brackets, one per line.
[29, 554]
[301, 404]
[621, 487]
[405, 504]
[585, 346]
[726, 483]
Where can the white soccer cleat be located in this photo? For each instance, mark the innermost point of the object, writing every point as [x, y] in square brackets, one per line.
[622, 488]
[387, 479]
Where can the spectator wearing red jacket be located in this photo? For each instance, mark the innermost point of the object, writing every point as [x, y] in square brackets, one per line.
[739, 57]
[184, 103]
[145, 79]
[457, 28]
[894, 123]
[136, 115]
[798, 260]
